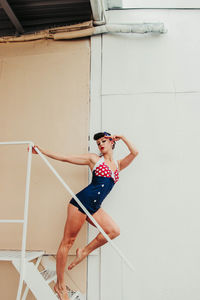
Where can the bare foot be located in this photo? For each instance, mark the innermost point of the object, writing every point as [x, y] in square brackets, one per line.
[62, 293]
[80, 255]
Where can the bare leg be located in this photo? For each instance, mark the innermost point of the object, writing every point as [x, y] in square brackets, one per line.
[75, 220]
[108, 225]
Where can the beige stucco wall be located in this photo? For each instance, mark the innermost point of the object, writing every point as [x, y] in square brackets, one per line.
[44, 97]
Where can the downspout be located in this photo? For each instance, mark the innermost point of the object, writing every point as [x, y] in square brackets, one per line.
[114, 28]
[99, 19]
[98, 12]
[131, 28]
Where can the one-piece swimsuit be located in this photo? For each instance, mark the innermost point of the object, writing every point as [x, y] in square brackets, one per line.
[103, 180]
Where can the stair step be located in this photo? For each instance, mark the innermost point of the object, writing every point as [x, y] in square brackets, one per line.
[35, 281]
[38, 285]
[49, 275]
[9, 255]
[75, 296]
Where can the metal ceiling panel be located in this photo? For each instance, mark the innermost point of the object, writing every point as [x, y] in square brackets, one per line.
[35, 15]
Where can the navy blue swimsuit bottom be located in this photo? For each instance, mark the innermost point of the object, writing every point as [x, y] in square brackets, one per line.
[103, 180]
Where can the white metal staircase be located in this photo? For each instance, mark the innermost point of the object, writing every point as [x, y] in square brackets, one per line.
[37, 281]
[32, 277]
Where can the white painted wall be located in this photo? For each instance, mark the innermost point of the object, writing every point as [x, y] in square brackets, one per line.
[151, 94]
[160, 3]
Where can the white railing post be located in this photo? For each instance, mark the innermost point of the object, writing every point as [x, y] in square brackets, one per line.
[122, 279]
[22, 266]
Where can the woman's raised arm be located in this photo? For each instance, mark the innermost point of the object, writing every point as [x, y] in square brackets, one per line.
[82, 159]
[124, 162]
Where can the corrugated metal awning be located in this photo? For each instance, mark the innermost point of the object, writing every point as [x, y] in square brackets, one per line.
[28, 16]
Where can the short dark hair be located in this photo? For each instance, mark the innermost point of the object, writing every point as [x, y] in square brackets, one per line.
[99, 135]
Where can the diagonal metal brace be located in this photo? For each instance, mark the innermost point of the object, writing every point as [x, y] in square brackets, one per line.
[11, 15]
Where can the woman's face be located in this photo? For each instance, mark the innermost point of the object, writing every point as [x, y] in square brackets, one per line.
[104, 145]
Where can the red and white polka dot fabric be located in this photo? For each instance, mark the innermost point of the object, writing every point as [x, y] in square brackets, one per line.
[104, 171]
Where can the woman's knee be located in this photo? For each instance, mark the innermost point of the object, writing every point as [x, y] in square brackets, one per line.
[68, 242]
[115, 231]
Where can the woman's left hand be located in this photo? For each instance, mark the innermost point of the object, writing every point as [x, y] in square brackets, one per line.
[115, 137]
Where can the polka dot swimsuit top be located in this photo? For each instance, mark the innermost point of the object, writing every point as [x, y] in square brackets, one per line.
[103, 170]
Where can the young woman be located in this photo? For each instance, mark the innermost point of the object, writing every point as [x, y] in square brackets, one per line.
[105, 174]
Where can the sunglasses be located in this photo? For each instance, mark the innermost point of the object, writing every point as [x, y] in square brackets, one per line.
[107, 134]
